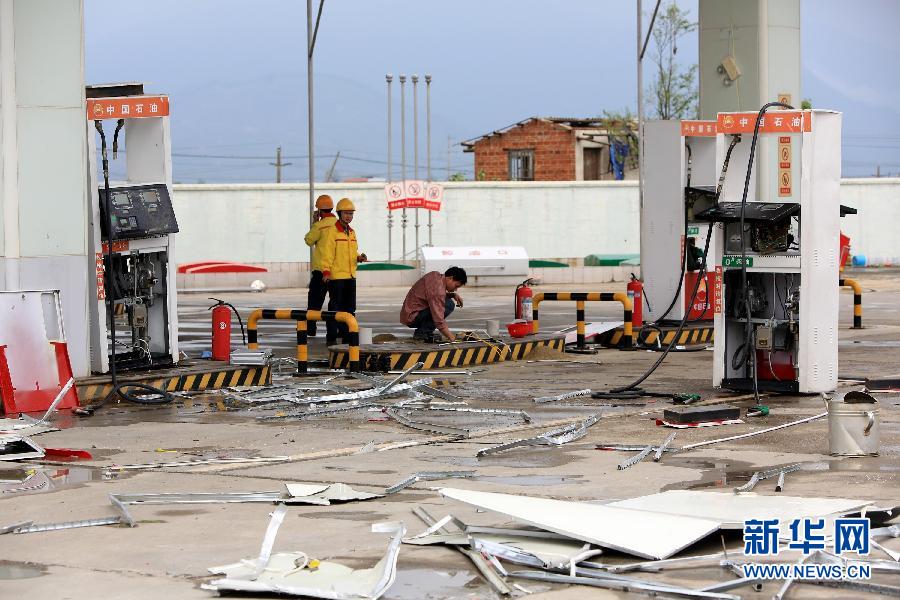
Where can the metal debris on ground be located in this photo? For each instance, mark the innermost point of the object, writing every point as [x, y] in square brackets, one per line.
[483, 565]
[752, 433]
[621, 585]
[561, 397]
[404, 419]
[298, 574]
[19, 447]
[428, 476]
[196, 462]
[763, 475]
[251, 357]
[662, 447]
[122, 518]
[554, 437]
[630, 462]
[294, 493]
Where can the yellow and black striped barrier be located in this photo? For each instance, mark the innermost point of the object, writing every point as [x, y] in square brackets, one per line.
[91, 390]
[391, 357]
[857, 300]
[580, 298]
[303, 317]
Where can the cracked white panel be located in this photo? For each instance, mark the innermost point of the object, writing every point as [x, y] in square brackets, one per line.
[641, 533]
[732, 509]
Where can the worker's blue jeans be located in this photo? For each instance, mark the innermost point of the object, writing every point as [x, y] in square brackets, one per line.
[424, 323]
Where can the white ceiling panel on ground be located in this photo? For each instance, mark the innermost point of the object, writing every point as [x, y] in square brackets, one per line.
[642, 533]
[732, 509]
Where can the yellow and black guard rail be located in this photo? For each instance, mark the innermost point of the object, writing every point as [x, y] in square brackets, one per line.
[303, 317]
[580, 298]
[857, 300]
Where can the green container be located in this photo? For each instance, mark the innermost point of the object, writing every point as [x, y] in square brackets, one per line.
[374, 266]
[546, 264]
[611, 260]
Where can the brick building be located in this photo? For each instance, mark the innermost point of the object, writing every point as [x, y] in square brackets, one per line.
[545, 149]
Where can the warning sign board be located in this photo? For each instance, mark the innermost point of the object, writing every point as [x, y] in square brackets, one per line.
[395, 197]
[784, 166]
[434, 194]
[717, 291]
[415, 194]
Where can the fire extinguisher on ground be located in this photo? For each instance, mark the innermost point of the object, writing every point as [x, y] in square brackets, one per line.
[221, 329]
[636, 295]
[523, 298]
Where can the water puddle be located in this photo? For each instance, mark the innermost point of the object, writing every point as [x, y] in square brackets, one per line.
[41, 479]
[435, 584]
[20, 570]
[871, 343]
[730, 474]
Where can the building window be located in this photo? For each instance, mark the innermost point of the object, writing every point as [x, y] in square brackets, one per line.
[521, 165]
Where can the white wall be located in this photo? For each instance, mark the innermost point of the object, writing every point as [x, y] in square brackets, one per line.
[873, 232]
[259, 223]
[266, 223]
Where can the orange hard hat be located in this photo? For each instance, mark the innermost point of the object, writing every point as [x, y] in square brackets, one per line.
[324, 202]
[345, 204]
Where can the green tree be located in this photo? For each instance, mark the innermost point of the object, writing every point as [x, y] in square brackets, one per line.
[458, 177]
[621, 126]
[673, 90]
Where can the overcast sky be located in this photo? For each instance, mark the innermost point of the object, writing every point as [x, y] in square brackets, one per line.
[236, 74]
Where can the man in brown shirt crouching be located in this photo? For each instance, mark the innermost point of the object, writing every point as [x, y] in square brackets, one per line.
[430, 300]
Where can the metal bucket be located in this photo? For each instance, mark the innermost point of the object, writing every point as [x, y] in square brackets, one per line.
[853, 425]
[365, 336]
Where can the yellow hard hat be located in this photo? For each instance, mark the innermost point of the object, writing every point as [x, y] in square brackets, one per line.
[345, 204]
[324, 202]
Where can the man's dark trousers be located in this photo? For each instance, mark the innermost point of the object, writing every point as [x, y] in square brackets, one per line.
[315, 299]
[341, 297]
[424, 323]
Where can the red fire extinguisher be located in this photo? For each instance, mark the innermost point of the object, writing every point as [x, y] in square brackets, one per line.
[635, 294]
[221, 329]
[523, 300]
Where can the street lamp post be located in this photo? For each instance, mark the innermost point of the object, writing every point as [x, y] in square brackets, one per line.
[390, 218]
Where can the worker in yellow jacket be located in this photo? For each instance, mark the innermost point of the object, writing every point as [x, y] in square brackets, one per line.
[339, 256]
[323, 219]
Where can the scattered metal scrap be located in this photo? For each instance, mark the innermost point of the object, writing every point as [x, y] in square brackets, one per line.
[428, 476]
[762, 475]
[294, 493]
[122, 518]
[481, 563]
[19, 447]
[662, 447]
[554, 437]
[196, 462]
[296, 573]
[621, 584]
[752, 433]
[560, 397]
[630, 462]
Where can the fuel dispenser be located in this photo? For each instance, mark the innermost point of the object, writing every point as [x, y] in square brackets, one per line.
[134, 318]
[776, 262]
[680, 161]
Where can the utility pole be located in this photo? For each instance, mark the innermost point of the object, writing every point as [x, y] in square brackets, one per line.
[390, 217]
[403, 156]
[329, 176]
[311, 32]
[448, 158]
[415, 86]
[278, 164]
[428, 141]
